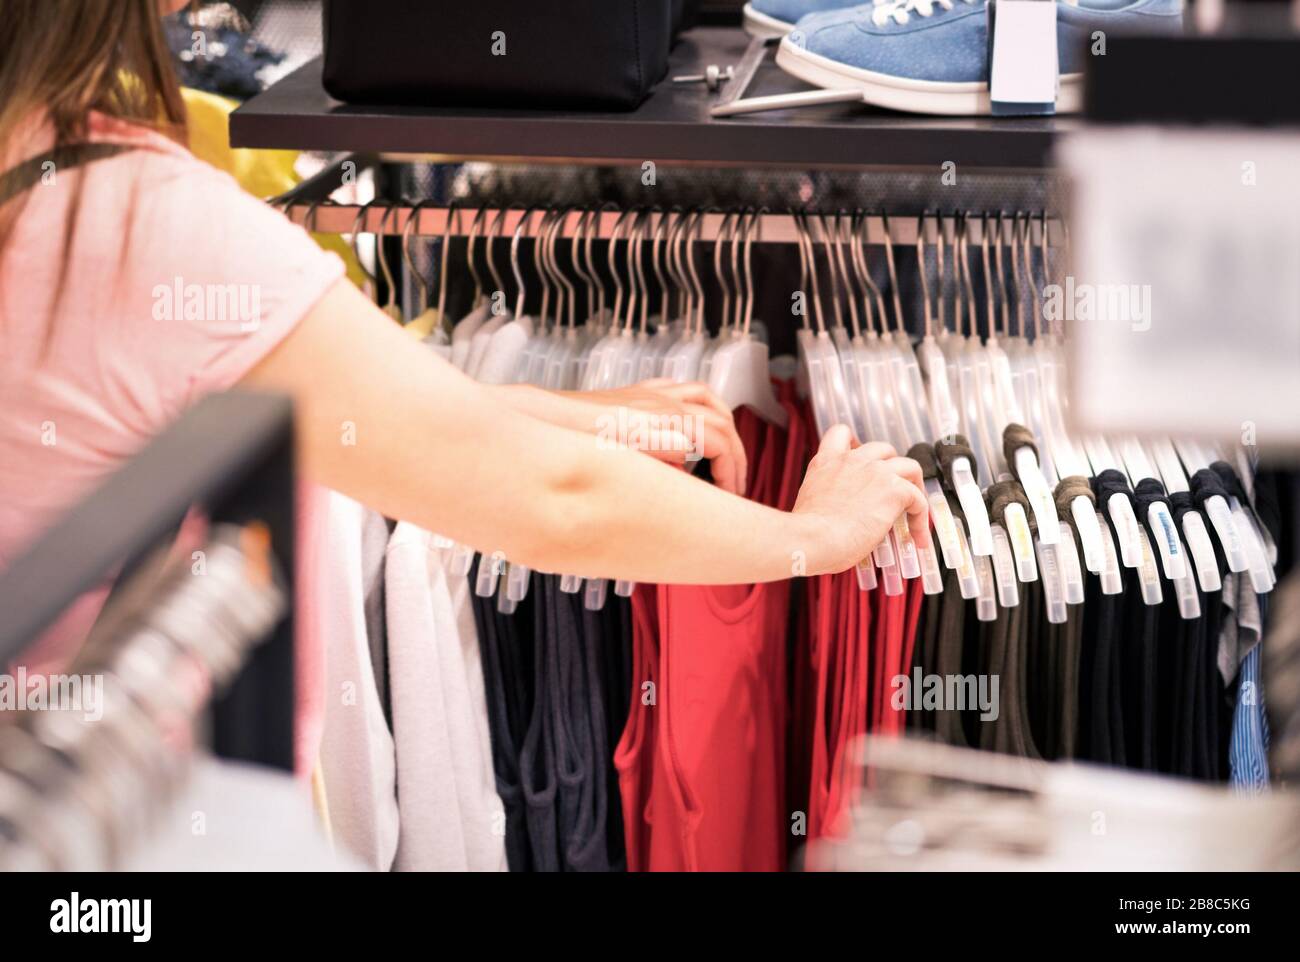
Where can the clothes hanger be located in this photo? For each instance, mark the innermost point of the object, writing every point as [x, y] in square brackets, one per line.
[682, 360]
[817, 352]
[499, 310]
[602, 370]
[1063, 457]
[933, 361]
[727, 234]
[429, 321]
[652, 355]
[1249, 533]
[739, 374]
[505, 348]
[978, 533]
[462, 334]
[358, 229]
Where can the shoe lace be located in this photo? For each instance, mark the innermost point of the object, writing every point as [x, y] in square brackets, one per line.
[900, 10]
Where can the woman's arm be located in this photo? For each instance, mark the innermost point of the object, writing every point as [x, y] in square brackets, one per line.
[384, 420]
[670, 420]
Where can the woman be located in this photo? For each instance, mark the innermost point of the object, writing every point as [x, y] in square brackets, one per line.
[91, 367]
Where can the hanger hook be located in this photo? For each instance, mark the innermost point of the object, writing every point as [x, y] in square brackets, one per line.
[358, 228]
[893, 273]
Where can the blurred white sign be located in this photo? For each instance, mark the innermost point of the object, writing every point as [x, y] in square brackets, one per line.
[1182, 304]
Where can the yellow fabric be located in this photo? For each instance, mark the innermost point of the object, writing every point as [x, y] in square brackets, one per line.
[263, 173]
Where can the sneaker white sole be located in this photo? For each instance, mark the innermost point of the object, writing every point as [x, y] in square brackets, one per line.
[902, 93]
[763, 26]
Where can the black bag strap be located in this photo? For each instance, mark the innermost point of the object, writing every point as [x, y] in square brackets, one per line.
[22, 178]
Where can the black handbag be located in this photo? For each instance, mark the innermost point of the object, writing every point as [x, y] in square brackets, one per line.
[598, 54]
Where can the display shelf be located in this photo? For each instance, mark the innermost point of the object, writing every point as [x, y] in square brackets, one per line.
[672, 126]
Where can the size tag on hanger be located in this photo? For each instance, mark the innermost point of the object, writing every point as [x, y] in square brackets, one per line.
[1053, 595]
[1067, 554]
[967, 579]
[944, 528]
[1127, 529]
[931, 576]
[1168, 544]
[1189, 603]
[1085, 519]
[517, 578]
[593, 599]
[866, 572]
[892, 580]
[909, 566]
[972, 504]
[1112, 583]
[1023, 68]
[1022, 542]
[489, 569]
[1202, 551]
[1004, 568]
[1216, 507]
[570, 584]
[1148, 576]
[1261, 572]
[1039, 493]
[986, 606]
[462, 559]
[883, 553]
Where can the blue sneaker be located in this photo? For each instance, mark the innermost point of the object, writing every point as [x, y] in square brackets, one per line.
[931, 56]
[775, 18]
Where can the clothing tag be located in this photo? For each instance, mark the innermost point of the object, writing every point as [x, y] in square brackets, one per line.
[1022, 542]
[986, 607]
[1022, 61]
[1004, 569]
[1148, 576]
[1202, 552]
[1111, 582]
[866, 575]
[1170, 546]
[1067, 554]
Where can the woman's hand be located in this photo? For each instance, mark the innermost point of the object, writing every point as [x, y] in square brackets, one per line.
[852, 494]
[669, 421]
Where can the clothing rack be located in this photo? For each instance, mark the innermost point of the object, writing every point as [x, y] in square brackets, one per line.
[310, 206]
[231, 454]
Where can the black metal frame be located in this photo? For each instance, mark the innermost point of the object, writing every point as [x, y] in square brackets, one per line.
[232, 454]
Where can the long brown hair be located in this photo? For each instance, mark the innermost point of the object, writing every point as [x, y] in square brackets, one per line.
[63, 59]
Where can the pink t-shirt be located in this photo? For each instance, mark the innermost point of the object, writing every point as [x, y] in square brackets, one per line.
[147, 323]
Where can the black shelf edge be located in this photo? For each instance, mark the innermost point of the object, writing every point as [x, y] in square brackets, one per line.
[672, 126]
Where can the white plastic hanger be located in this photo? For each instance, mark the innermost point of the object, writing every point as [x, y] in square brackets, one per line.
[463, 333]
[739, 374]
[498, 313]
